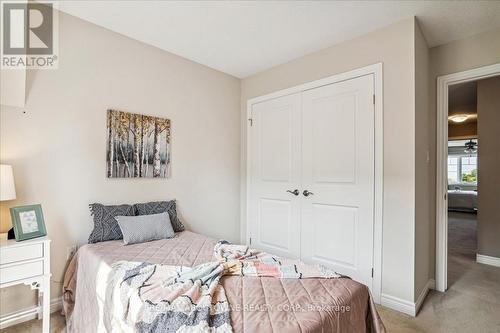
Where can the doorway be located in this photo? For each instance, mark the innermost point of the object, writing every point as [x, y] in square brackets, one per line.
[457, 177]
[463, 174]
[287, 191]
[313, 198]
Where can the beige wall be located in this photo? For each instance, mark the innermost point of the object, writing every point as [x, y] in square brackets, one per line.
[488, 123]
[13, 87]
[394, 47]
[472, 52]
[424, 215]
[57, 148]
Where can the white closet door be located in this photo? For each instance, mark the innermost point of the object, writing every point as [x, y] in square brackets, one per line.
[338, 168]
[274, 212]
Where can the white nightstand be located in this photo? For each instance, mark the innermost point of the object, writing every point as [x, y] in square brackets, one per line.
[28, 262]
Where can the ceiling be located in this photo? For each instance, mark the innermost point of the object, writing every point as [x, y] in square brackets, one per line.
[462, 98]
[242, 38]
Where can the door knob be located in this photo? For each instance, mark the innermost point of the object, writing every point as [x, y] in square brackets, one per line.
[306, 193]
[294, 192]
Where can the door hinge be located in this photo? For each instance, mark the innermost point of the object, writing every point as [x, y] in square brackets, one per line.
[445, 196]
[373, 99]
[372, 272]
[251, 121]
[250, 241]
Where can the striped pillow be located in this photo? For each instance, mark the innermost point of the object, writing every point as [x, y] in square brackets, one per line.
[157, 207]
[105, 225]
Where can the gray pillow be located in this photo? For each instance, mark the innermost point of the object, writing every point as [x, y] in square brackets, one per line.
[105, 226]
[157, 207]
[145, 228]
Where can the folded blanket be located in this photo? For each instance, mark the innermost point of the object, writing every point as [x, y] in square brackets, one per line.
[143, 297]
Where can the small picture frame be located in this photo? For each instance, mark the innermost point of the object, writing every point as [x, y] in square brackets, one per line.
[28, 222]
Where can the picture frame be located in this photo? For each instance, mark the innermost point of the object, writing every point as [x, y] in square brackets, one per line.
[138, 145]
[28, 222]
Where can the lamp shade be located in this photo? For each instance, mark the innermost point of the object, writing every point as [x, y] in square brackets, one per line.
[7, 188]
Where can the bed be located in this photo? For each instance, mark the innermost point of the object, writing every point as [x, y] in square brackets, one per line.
[258, 304]
[460, 200]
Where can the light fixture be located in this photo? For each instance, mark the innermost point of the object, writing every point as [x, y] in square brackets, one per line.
[470, 147]
[7, 188]
[458, 118]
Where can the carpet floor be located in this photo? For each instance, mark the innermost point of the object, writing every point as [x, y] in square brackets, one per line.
[471, 304]
[472, 301]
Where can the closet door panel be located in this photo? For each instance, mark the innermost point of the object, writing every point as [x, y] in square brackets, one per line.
[275, 222]
[275, 145]
[332, 247]
[275, 169]
[333, 134]
[338, 168]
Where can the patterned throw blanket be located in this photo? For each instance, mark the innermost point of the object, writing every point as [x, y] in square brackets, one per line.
[143, 297]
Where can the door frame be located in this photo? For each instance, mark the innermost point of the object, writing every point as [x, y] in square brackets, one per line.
[377, 71]
[443, 83]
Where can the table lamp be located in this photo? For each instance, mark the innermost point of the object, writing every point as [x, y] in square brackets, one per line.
[7, 189]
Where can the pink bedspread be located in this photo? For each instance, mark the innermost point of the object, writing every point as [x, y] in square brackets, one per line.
[257, 304]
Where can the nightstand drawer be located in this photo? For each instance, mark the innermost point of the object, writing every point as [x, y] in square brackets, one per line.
[20, 253]
[21, 271]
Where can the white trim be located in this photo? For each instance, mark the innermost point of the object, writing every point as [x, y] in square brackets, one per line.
[443, 82]
[21, 316]
[246, 238]
[377, 71]
[405, 306]
[398, 304]
[379, 183]
[487, 260]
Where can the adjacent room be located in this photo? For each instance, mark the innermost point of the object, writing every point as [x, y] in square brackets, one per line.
[463, 176]
[249, 166]
[473, 120]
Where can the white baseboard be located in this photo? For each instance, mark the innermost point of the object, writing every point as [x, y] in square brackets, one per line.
[431, 284]
[405, 306]
[398, 304]
[21, 316]
[487, 260]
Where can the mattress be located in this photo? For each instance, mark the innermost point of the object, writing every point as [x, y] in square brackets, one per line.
[258, 304]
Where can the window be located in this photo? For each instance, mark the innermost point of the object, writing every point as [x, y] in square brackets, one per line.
[468, 170]
[453, 170]
[462, 169]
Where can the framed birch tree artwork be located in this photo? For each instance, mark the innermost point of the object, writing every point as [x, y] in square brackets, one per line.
[138, 146]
